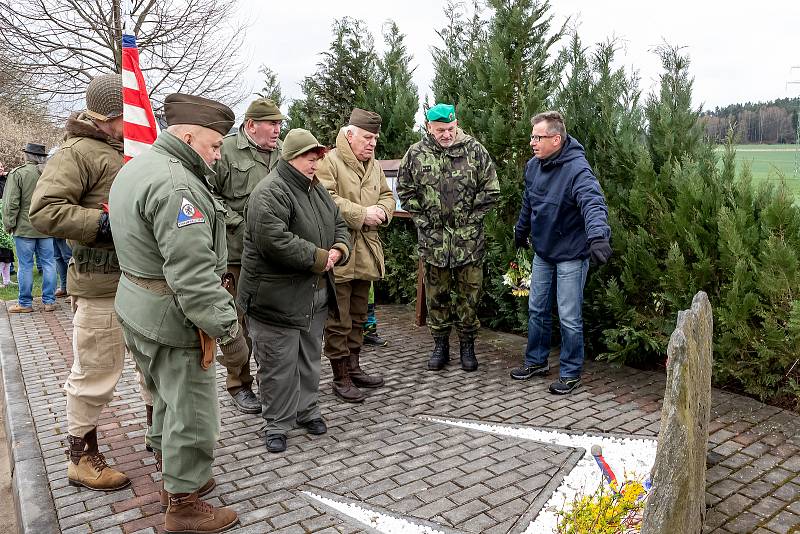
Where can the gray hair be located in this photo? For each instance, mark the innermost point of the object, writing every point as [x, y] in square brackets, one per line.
[35, 158]
[555, 123]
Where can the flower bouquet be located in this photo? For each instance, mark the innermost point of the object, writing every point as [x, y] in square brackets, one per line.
[518, 276]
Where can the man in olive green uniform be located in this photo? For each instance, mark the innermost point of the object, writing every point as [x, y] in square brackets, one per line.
[358, 186]
[68, 203]
[448, 183]
[170, 235]
[247, 157]
[27, 240]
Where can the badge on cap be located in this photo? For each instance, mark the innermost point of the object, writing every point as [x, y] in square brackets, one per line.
[189, 214]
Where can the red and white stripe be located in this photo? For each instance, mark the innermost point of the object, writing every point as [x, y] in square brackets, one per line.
[139, 123]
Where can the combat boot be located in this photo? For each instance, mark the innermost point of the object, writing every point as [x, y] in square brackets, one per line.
[468, 360]
[87, 466]
[186, 513]
[441, 353]
[359, 377]
[343, 386]
[164, 494]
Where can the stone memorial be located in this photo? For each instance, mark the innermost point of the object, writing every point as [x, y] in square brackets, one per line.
[676, 504]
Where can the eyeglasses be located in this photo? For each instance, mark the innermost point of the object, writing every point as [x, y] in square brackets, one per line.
[537, 138]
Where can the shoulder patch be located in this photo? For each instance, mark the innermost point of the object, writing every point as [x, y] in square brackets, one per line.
[188, 214]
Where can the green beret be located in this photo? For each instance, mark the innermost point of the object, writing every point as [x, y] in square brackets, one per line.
[298, 142]
[188, 109]
[366, 120]
[441, 113]
[264, 109]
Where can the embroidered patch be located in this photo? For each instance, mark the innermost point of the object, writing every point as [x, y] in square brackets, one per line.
[426, 168]
[189, 214]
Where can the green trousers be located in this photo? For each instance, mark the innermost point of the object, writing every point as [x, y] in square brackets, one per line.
[185, 410]
[453, 293]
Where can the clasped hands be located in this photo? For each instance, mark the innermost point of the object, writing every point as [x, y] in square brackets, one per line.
[375, 216]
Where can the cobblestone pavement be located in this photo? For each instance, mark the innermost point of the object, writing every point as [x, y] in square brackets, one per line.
[384, 454]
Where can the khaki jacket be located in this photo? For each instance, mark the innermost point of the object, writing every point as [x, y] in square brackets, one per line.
[354, 187]
[17, 201]
[237, 173]
[170, 235]
[67, 203]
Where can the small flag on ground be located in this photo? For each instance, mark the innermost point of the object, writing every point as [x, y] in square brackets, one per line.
[139, 123]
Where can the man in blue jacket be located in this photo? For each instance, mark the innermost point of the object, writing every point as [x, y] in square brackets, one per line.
[565, 218]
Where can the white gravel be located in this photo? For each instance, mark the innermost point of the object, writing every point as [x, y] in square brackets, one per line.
[629, 459]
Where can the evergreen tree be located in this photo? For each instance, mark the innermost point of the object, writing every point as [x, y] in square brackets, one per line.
[392, 94]
[339, 83]
[272, 87]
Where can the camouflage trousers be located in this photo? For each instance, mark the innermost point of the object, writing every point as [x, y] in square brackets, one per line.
[453, 293]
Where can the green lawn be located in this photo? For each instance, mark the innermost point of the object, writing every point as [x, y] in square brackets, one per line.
[770, 162]
[12, 291]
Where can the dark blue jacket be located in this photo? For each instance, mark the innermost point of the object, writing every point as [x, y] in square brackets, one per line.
[563, 207]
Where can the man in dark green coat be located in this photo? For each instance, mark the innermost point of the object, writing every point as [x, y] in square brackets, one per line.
[248, 155]
[448, 183]
[170, 237]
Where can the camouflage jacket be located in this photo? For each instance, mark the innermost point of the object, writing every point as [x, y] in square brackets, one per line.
[448, 192]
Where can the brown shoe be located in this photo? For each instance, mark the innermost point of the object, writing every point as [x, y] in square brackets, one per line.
[343, 386]
[61, 292]
[49, 307]
[87, 466]
[188, 514]
[359, 377]
[164, 494]
[16, 308]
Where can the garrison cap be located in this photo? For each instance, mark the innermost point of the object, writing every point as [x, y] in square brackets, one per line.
[104, 97]
[264, 109]
[366, 120]
[35, 148]
[441, 113]
[188, 109]
[299, 141]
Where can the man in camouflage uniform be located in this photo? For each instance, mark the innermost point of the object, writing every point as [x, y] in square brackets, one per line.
[448, 183]
[248, 156]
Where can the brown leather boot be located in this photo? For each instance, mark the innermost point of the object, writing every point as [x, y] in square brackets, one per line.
[87, 466]
[164, 494]
[343, 386]
[359, 377]
[188, 514]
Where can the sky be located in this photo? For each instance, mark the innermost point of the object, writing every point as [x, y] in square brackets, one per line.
[739, 51]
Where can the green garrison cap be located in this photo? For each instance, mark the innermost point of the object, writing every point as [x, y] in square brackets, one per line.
[264, 109]
[298, 142]
[441, 113]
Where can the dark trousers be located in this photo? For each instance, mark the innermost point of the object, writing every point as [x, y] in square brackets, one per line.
[240, 378]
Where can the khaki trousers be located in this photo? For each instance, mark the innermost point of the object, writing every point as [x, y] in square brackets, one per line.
[240, 378]
[185, 410]
[98, 356]
[344, 336]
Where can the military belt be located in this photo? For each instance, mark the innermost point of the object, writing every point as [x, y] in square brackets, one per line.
[155, 285]
[95, 260]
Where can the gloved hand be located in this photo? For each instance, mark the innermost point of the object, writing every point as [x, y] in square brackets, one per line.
[235, 353]
[104, 231]
[600, 250]
[521, 241]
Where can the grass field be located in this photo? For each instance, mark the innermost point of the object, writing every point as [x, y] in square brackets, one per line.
[770, 162]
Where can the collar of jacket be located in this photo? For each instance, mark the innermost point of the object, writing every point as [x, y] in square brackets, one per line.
[455, 150]
[173, 146]
[80, 125]
[294, 177]
[555, 159]
[346, 153]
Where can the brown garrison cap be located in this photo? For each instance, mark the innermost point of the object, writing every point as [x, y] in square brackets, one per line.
[366, 120]
[264, 109]
[188, 109]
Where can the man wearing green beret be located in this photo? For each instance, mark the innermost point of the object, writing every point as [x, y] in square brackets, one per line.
[448, 183]
[248, 155]
[170, 237]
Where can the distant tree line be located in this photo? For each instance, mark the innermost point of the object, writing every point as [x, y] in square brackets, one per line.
[773, 122]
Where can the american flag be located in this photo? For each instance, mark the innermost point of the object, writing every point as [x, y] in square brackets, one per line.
[139, 123]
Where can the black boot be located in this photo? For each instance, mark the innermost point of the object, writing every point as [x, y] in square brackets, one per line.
[468, 360]
[441, 353]
[149, 414]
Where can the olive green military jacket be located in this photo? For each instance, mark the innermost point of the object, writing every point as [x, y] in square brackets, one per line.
[68, 200]
[448, 192]
[237, 173]
[354, 186]
[168, 227]
[17, 195]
